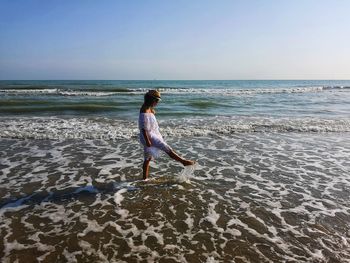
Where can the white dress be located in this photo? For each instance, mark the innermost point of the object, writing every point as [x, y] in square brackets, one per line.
[148, 122]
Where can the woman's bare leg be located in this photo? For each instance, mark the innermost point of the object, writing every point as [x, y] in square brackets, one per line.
[145, 168]
[176, 157]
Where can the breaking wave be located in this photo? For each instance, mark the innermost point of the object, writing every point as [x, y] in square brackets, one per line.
[111, 129]
[90, 91]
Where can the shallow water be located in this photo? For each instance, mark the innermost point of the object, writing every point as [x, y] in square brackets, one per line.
[254, 197]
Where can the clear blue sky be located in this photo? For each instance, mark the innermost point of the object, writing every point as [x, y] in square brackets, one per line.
[180, 39]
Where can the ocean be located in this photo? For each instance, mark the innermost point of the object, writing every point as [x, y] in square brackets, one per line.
[271, 184]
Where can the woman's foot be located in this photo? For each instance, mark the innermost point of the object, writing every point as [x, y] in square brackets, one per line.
[188, 162]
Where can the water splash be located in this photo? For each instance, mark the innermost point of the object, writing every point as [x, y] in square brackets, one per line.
[187, 173]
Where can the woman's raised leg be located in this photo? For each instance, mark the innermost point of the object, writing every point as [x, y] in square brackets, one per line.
[176, 157]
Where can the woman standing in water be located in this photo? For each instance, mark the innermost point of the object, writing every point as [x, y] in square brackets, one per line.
[150, 136]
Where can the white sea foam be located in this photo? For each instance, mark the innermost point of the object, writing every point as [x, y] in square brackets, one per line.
[118, 196]
[212, 216]
[101, 128]
[211, 91]
[243, 91]
[30, 91]
[86, 93]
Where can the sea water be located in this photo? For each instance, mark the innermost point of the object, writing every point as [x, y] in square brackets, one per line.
[271, 183]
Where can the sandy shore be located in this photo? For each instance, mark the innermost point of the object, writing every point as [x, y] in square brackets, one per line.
[253, 198]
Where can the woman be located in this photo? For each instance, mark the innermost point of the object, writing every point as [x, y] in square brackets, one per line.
[150, 136]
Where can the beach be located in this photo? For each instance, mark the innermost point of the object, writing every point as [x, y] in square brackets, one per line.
[271, 182]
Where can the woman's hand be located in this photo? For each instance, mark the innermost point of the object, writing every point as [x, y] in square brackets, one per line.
[148, 143]
[145, 135]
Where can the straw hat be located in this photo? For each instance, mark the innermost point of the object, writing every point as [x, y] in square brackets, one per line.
[154, 94]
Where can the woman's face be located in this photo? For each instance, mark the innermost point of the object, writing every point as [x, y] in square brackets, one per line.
[155, 103]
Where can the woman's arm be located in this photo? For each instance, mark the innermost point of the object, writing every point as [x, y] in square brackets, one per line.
[145, 135]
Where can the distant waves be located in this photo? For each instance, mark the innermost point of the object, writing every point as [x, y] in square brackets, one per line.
[115, 91]
[180, 99]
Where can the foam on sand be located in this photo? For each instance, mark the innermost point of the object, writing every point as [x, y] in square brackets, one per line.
[254, 197]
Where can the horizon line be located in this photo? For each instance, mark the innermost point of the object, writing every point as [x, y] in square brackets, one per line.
[267, 79]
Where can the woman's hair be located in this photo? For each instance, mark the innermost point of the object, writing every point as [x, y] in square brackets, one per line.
[149, 100]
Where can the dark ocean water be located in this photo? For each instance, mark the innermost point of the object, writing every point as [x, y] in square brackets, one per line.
[271, 183]
[121, 99]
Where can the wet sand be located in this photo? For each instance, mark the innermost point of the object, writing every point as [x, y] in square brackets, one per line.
[253, 198]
